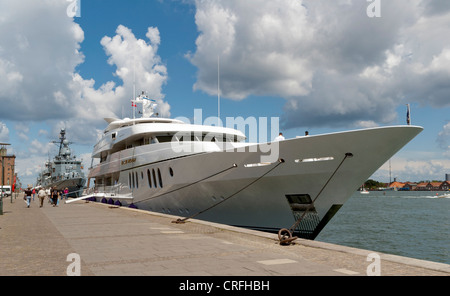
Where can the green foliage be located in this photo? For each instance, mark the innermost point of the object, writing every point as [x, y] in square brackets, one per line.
[373, 185]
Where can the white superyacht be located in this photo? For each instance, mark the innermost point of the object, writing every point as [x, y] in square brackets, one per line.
[293, 187]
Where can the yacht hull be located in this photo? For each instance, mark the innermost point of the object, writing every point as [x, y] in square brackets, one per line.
[304, 184]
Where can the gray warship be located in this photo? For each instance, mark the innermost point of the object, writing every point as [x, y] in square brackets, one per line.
[64, 171]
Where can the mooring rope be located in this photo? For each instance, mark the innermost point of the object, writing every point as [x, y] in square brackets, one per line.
[285, 235]
[280, 161]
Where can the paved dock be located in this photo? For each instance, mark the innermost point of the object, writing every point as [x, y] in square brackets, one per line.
[94, 239]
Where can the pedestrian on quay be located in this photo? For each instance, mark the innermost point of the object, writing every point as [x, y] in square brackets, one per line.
[42, 195]
[60, 196]
[66, 192]
[48, 192]
[27, 196]
[54, 195]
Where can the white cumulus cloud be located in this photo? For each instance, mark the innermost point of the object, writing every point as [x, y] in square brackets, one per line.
[40, 49]
[333, 64]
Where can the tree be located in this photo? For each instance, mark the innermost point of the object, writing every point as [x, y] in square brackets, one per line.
[373, 185]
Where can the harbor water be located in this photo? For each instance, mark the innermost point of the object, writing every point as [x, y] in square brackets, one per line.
[407, 223]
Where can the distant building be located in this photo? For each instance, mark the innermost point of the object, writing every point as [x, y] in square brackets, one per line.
[8, 165]
[396, 185]
[423, 186]
[433, 186]
[445, 186]
[410, 186]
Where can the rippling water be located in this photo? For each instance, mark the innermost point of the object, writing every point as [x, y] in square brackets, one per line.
[412, 224]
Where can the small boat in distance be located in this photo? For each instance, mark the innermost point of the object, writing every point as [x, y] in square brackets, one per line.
[363, 190]
[211, 173]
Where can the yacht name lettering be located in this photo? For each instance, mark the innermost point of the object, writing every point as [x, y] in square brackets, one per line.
[126, 161]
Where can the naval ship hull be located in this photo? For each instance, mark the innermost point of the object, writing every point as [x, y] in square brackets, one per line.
[307, 183]
[75, 186]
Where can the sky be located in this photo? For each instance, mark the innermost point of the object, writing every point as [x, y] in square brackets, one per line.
[316, 65]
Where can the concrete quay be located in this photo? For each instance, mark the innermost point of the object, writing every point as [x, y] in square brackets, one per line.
[94, 239]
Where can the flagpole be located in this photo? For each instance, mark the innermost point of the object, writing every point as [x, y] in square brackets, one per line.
[408, 115]
[218, 91]
[134, 87]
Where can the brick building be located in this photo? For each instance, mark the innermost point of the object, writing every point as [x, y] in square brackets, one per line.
[7, 167]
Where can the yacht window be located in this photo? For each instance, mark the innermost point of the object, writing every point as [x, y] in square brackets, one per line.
[137, 180]
[154, 177]
[149, 178]
[171, 172]
[160, 179]
[129, 180]
[113, 136]
[164, 139]
[187, 138]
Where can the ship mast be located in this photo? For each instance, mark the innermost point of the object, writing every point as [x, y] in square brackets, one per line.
[62, 137]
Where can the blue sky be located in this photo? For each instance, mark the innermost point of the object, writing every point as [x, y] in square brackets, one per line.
[321, 66]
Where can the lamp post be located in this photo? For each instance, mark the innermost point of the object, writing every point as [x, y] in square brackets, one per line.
[3, 175]
[13, 181]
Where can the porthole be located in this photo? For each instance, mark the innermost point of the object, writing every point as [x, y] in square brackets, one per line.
[170, 171]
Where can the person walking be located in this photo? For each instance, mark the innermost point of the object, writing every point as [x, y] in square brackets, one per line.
[27, 196]
[66, 192]
[54, 196]
[42, 195]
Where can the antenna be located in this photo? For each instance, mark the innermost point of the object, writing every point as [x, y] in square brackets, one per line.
[134, 85]
[218, 90]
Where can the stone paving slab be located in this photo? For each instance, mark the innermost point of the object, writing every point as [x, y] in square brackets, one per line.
[114, 241]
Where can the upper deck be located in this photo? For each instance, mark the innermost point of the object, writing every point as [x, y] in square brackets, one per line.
[126, 133]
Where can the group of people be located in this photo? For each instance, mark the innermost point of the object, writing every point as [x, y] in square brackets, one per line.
[53, 194]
